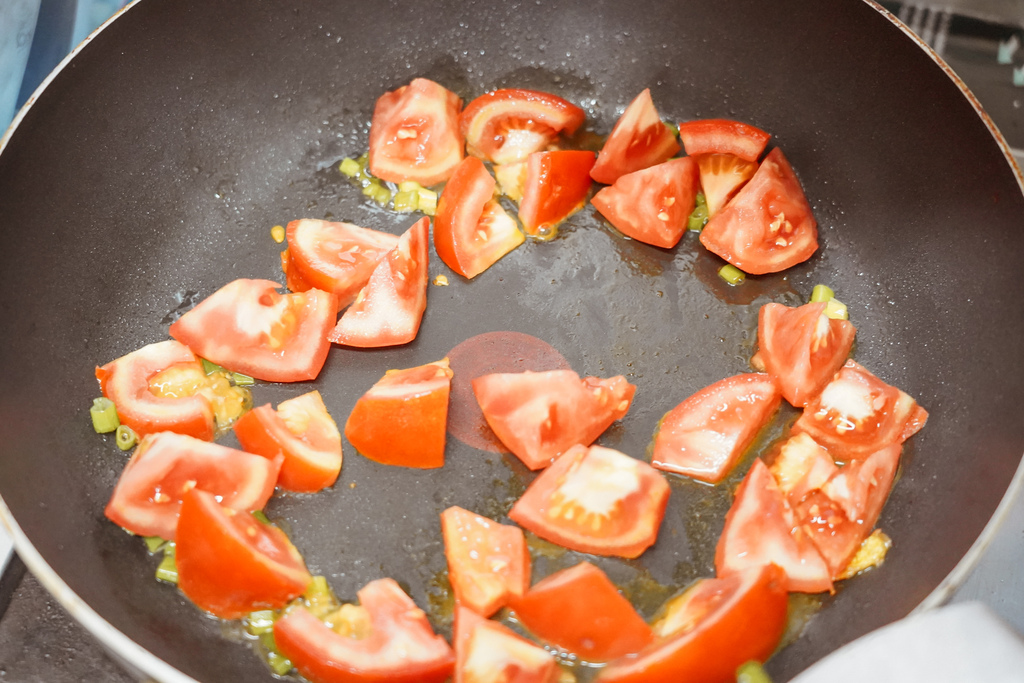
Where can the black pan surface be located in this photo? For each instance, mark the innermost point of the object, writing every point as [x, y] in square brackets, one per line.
[150, 171]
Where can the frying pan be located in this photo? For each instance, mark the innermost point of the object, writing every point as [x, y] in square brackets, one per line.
[151, 168]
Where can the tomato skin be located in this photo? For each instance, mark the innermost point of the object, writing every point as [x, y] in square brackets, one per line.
[802, 348]
[595, 500]
[556, 186]
[639, 139]
[506, 126]
[740, 618]
[303, 433]
[722, 136]
[581, 611]
[488, 652]
[401, 647]
[125, 381]
[414, 134]
[705, 435]
[389, 309]
[402, 419]
[148, 495]
[230, 563]
[653, 204]
[768, 226]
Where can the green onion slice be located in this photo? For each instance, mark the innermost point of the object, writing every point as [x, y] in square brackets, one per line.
[822, 293]
[259, 514]
[350, 167]
[241, 380]
[836, 309]
[209, 368]
[104, 415]
[168, 569]
[751, 672]
[732, 274]
[260, 622]
[125, 437]
[154, 543]
[699, 217]
[279, 664]
[406, 201]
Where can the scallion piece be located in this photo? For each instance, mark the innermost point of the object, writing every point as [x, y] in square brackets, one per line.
[350, 167]
[822, 293]
[125, 437]
[382, 195]
[427, 201]
[751, 672]
[104, 415]
[699, 217]
[154, 543]
[209, 367]
[317, 588]
[836, 310]
[241, 380]
[260, 622]
[406, 201]
[409, 186]
[674, 128]
[370, 189]
[731, 274]
[168, 569]
[259, 514]
[279, 664]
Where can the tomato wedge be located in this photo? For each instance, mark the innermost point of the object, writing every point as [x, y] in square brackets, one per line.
[653, 204]
[303, 433]
[333, 257]
[401, 647]
[721, 177]
[488, 563]
[721, 136]
[165, 466]
[857, 414]
[388, 310]
[505, 126]
[414, 134]
[248, 327]
[230, 563]
[487, 652]
[472, 230]
[801, 466]
[711, 630]
[581, 611]
[125, 381]
[638, 140]
[556, 186]
[402, 419]
[768, 226]
[595, 500]
[761, 529]
[802, 348]
[705, 435]
[540, 415]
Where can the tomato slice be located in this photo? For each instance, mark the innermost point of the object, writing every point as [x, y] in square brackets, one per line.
[595, 500]
[768, 226]
[705, 435]
[303, 433]
[857, 414]
[761, 529]
[653, 204]
[801, 466]
[401, 646]
[248, 327]
[504, 126]
[165, 466]
[721, 177]
[802, 348]
[488, 563]
[581, 611]
[472, 230]
[721, 136]
[638, 140]
[388, 310]
[414, 134]
[540, 415]
[231, 564]
[402, 419]
[711, 630]
[125, 381]
[333, 257]
[556, 186]
[488, 652]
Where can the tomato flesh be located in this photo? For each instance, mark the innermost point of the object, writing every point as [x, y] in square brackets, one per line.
[721, 177]
[595, 500]
[721, 136]
[488, 652]
[556, 186]
[402, 419]
[506, 126]
[801, 466]
[639, 139]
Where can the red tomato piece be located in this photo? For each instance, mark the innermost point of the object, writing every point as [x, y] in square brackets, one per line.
[556, 186]
[231, 564]
[653, 204]
[721, 177]
[402, 419]
[487, 652]
[414, 134]
[801, 466]
[768, 226]
[638, 140]
[165, 466]
[581, 611]
[505, 126]
[125, 381]
[540, 415]
[802, 348]
[716, 626]
[595, 500]
[721, 136]
[400, 648]
[248, 327]
[472, 230]
[857, 414]
[303, 433]
[488, 563]
[388, 310]
[333, 257]
[705, 435]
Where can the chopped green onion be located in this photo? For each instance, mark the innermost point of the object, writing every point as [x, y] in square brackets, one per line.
[241, 380]
[125, 437]
[836, 310]
[317, 588]
[699, 217]
[279, 664]
[382, 195]
[259, 514]
[350, 167]
[260, 622]
[104, 415]
[751, 672]
[168, 569]
[674, 128]
[822, 293]
[406, 201]
[371, 188]
[409, 186]
[731, 274]
[427, 202]
[209, 368]
[154, 543]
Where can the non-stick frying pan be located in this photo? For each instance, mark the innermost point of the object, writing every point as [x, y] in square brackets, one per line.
[149, 171]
